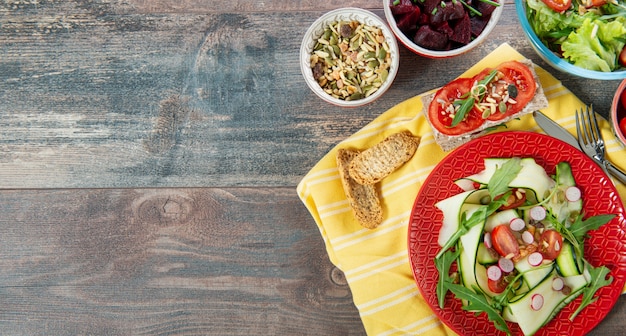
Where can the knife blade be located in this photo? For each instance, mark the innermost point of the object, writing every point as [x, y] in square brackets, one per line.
[553, 129]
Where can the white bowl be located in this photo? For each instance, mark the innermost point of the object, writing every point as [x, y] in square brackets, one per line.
[317, 29]
[409, 44]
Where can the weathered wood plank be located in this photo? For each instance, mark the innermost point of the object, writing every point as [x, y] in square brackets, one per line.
[94, 98]
[167, 261]
[235, 261]
[191, 6]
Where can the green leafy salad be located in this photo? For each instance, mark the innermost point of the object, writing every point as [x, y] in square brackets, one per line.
[590, 34]
[517, 235]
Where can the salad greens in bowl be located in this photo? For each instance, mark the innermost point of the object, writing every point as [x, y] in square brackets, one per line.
[586, 38]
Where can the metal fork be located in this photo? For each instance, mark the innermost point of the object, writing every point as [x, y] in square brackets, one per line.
[589, 137]
[591, 141]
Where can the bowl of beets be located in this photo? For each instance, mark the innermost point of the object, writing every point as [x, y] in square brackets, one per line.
[442, 28]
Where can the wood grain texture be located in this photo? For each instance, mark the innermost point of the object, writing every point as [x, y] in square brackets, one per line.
[198, 261]
[191, 6]
[149, 152]
[96, 95]
[167, 261]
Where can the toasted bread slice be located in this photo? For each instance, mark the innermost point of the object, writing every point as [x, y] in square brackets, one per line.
[363, 199]
[380, 160]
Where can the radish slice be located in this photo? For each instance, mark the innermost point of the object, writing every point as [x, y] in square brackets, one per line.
[506, 265]
[573, 194]
[528, 237]
[536, 302]
[488, 242]
[494, 273]
[538, 213]
[557, 284]
[517, 224]
[465, 184]
[535, 258]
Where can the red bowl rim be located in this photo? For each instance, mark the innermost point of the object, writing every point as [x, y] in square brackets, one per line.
[613, 116]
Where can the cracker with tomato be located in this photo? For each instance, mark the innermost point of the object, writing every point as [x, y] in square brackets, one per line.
[468, 107]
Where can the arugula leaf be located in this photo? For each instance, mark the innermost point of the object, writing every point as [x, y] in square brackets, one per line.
[598, 280]
[502, 177]
[478, 302]
[580, 227]
[443, 265]
[577, 232]
[466, 106]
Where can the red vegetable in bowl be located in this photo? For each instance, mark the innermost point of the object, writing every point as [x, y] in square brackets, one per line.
[442, 24]
[558, 5]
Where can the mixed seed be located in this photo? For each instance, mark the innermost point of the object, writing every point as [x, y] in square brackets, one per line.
[351, 60]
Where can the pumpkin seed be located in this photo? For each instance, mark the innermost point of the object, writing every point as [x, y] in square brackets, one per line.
[382, 53]
[355, 96]
[384, 73]
[372, 64]
[327, 34]
[502, 107]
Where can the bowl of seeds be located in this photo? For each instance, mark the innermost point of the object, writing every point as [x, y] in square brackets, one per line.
[349, 57]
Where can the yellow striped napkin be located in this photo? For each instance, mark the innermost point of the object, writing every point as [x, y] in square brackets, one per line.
[375, 262]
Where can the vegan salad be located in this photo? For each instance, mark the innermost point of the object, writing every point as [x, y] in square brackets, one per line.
[590, 34]
[517, 237]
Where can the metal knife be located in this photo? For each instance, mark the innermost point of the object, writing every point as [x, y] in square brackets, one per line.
[553, 129]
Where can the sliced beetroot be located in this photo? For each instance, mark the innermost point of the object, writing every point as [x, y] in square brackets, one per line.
[446, 11]
[404, 7]
[428, 38]
[478, 25]
[446, 21]
[445, 28]
[401, 9]
[408, 22]
[430, 5]
[462, 30]
[485, 8]
[424, 19]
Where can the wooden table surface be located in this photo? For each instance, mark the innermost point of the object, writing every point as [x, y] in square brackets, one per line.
[150, 152]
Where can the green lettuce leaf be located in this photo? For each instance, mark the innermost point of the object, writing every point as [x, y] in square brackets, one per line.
[550, 24]
[595, 44]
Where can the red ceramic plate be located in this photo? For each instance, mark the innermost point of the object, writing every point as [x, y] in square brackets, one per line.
[606, 246]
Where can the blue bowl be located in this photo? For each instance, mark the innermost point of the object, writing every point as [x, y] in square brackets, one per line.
[554, 60]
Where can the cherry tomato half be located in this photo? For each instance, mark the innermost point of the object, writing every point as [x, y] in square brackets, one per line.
[622, 125]
[622, 59]
[497, 286]
[523, 87]
[550, 244]
[438, 113]
[504, 241]
[558, 5]
[597, 3]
